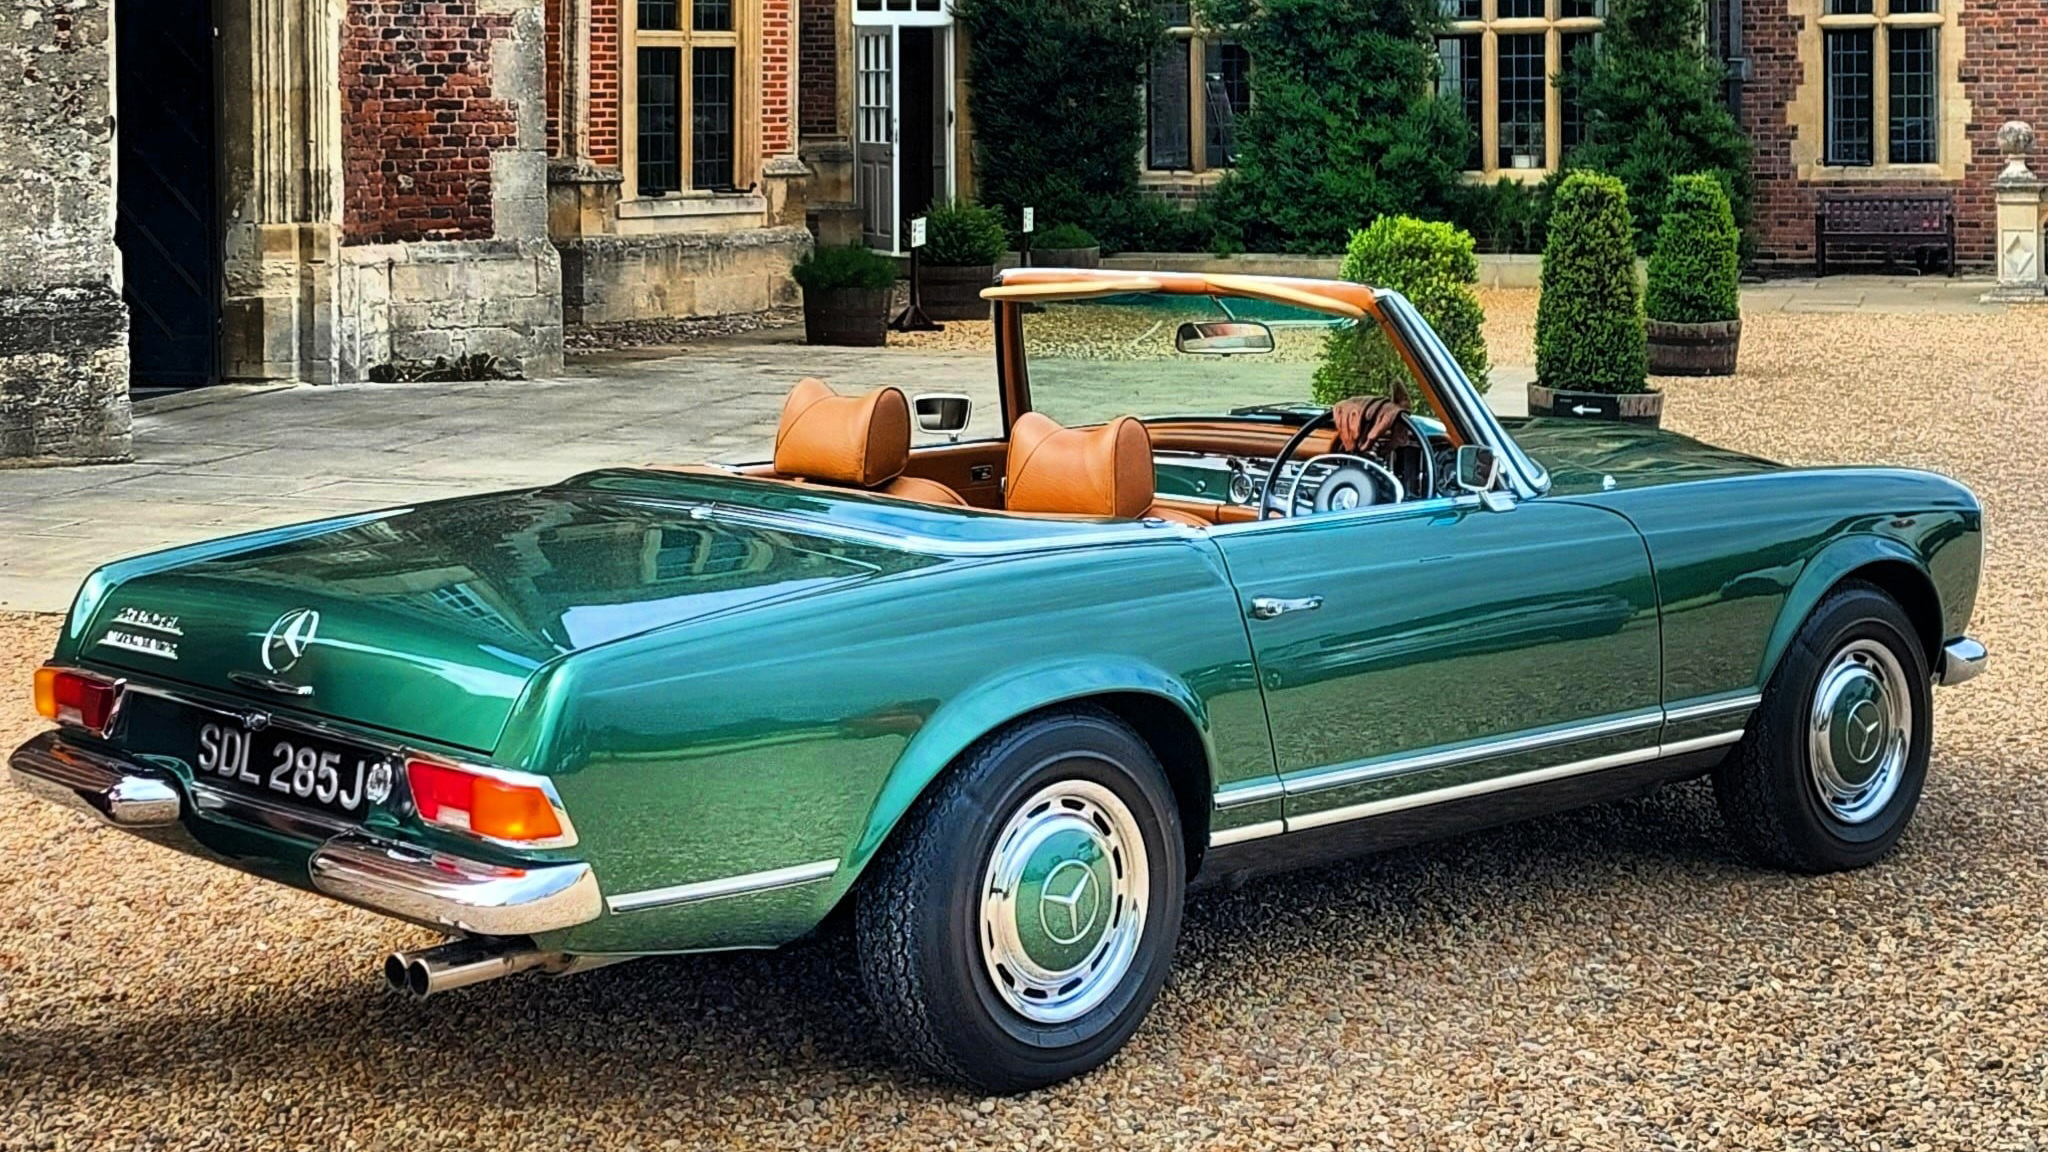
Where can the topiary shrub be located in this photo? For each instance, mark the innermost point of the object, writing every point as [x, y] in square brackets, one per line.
[1343, 126]
[1589, 319]
[1652, 98]
[964, 235]
[1434, 267]
[1054, 88]
[1142, 223]
[852, 267]
[1696, 266]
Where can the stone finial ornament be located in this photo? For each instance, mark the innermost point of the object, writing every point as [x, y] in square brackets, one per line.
[2016, 141]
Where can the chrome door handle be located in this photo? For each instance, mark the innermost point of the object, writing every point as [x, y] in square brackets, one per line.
[1267, 607]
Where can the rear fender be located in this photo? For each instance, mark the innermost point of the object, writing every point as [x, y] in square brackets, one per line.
[995, 702]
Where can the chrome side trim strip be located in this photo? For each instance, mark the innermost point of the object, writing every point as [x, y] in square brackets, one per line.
[747, 884]
[1257, 831]
[1322, 780]
[1713, 708]
[1392, 804]
[1258, 791]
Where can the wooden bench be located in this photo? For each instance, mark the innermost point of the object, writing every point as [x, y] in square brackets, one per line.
[1897, 222]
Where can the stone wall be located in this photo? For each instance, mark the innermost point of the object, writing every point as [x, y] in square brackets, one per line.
[63, 327]
[413, 304]
[608, 279]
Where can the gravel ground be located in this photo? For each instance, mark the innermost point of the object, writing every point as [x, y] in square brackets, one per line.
[1610, 979]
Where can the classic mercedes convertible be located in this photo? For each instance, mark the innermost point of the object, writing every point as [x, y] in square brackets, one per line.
[1003, 690]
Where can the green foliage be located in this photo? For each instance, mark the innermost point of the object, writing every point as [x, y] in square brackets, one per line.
[1434, 267]
[1142, 223]
[850, 267]
[1505, 215]
[1064, 236]
[1343, 127]
[964, 235]
[1695, 267]
[1652, 98]
[1589, 319]
[1054, 87]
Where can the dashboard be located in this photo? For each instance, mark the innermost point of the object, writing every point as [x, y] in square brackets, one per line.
[1409, 472]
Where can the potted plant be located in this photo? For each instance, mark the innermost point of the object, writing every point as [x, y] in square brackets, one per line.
[962, 243]
[846, 296]
[1590, 358]
[1695, 319]
[1066, 246]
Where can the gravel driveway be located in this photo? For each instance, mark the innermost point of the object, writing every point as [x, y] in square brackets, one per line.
[1610, 979]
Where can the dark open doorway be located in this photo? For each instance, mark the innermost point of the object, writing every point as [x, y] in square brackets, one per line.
[168, 228]
[921, 65]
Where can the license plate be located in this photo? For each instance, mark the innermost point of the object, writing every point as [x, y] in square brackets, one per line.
[290, 765]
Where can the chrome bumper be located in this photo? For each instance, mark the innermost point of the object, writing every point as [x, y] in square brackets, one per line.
[428, 888]
[1960, 660]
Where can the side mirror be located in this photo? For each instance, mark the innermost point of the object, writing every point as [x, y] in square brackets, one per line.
[944, 413]
[1479, 473]
[1223, 338]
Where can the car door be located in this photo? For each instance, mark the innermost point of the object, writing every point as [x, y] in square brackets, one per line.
[1427, 651]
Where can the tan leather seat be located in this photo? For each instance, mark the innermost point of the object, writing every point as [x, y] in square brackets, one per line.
[1103, 471]
[852, 442]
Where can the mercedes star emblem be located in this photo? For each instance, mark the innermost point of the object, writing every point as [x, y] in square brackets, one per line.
[1865, 728]
[1067, 925]
[289, 638]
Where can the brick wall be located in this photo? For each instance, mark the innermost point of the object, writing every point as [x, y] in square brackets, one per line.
[605, 76]
[818, 67]
[2005, 76]
[420, 121]
[778, 33]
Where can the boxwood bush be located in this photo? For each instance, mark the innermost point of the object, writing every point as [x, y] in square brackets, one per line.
[1064, 236]
[1589, 319]
[1432, 265]
[964, 235]
[850, 267]
[1695, 268]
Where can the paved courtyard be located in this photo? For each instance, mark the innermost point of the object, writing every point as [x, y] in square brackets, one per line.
[1611, 979]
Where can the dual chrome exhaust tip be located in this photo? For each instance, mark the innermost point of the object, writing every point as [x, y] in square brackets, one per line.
[473, 960]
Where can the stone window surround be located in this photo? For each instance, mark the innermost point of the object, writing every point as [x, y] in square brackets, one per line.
[1490, 27]
[1806, 112]
[1195, 40]
[745, 39]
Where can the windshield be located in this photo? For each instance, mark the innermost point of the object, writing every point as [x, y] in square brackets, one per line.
[1093, 360]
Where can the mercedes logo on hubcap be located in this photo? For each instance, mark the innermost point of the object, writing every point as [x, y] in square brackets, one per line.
[1061, 914]
[289, 638]
[1864, 731]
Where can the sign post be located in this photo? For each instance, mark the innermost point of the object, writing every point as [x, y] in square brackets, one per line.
[1030, 225]
[912, 318]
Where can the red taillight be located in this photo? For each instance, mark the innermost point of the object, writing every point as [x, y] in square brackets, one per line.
[484, 804]
[71, 697]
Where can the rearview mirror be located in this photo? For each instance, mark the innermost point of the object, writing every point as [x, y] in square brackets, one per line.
[1478, 470]
[943, 413]
[1223, 338]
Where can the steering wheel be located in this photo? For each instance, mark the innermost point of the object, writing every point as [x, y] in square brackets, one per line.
[1266, 509]
[1346, 487]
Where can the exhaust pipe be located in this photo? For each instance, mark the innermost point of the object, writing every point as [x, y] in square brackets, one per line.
[466, 960]
[460, 963]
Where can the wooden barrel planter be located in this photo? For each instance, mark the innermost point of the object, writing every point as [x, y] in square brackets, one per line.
[858, 317]
[1066, 258]
[1694, 349]
[953, 292]
[1644, 408]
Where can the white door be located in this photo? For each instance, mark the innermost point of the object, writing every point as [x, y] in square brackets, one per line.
[874, 148]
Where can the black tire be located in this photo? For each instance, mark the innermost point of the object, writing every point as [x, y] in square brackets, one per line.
[919, 926]
[1770, 791]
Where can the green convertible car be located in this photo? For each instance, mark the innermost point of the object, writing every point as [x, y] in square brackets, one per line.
[1003, 689]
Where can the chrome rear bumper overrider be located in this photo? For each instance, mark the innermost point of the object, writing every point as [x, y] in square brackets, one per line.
[1961, 660]
[431, 888]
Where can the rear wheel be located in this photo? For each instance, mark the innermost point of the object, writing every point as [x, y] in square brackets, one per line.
[1023, 920]
[1831, 770]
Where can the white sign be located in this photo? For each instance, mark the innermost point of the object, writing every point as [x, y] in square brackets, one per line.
[917, 232]
[1030, 219]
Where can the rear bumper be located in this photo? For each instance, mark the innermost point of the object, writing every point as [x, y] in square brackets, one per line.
[431, 888]
[1961, 660]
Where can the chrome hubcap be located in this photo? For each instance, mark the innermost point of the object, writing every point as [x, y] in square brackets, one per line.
[1860, 731]
[1063, 901]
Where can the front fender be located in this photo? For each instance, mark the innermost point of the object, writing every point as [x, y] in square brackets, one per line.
[988, 705]
[1820, 575]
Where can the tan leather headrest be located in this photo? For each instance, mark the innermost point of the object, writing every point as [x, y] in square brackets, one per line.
[834, 439]
[1105, 471]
